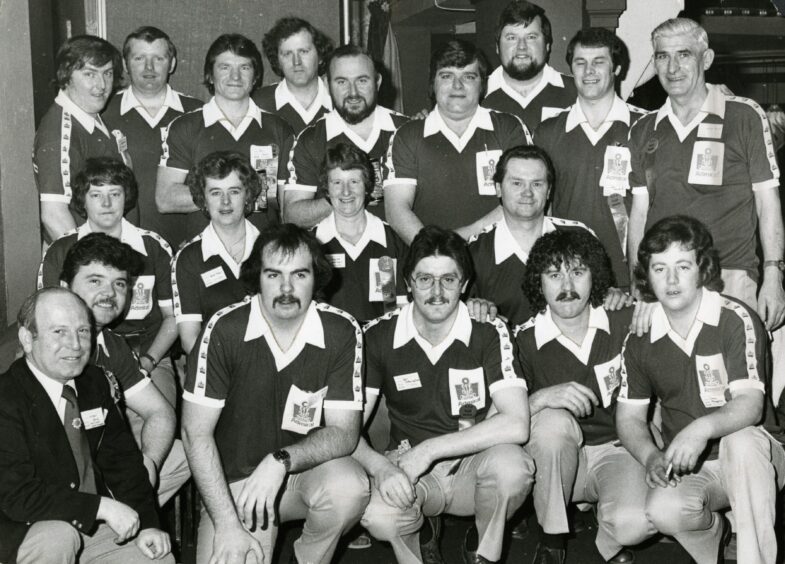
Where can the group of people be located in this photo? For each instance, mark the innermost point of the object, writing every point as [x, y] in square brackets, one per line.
[379, 323]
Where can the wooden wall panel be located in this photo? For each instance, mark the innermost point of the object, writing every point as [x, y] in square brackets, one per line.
[194, 24]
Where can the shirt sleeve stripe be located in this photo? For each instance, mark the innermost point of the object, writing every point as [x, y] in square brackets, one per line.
[750, 339]
[66, 132]
[505, 351]
[357, 370]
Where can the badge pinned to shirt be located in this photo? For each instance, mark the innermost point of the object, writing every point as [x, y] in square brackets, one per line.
[375, 279]
[608, 376]
[337, 260]
[615, 171]
[706, 163]
[141, 297]
[213, 276]
[486, 167]
[712, 379]
[710, 130]
[467, 387]
[303, 411]
[93, 418]
[407, 382]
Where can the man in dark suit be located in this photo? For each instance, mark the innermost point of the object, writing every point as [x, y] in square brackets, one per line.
[73, 487]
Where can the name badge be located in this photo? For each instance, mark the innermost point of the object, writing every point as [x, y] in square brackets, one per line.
[261, 152]
[213, 276]
[712, 379]
[710, 130]
[121, 140]
[407, 382]
[376, 279]
[548, 112]
[608, 378]
[706, 163]
[616, 167]
[303, 411]
[337, 260]
[93, 418]
[486, 167]
[141, 297]
[467, 387]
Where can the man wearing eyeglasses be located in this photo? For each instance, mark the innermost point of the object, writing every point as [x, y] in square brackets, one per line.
[441, 373]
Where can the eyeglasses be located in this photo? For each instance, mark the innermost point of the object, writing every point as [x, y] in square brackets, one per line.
[426, 281]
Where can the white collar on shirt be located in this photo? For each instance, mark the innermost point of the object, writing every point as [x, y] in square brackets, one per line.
[129, 234]
[405, 331]
[708, 313]
[326, 231]
[618, 112]
[129, 102]
[434, 124]
[382, 120]
[212, 114]
[713, 104]
[546, 330]
[86, 120]
[212, 245]
[505, 245]
[284, 96]
[549, 76]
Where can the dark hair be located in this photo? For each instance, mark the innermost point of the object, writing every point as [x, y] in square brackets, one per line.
[566, 246]
[691, 235]
[148, 34]
[346, 157]
[521, 12]
[283, 29]
[436, 241]
[103, 249]
[285, 238]
[601, 37]
[349, 51]
[26, 316]
[80, 50]
[529, 152]
[221, 164]
[458, 53]
[240, 46]
[103, 171]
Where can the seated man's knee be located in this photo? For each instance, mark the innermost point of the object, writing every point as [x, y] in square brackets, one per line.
[49, 541]
[553, 428]
[386, 522]
[670, 512]
[628, 526]
[510, 468]
[345, 489]
[744, 445]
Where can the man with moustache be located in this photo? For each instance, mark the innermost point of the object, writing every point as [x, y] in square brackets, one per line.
[441, 373]
[297, 52]
[441, 168]
[570, 352]
[230, 121]
[525, 84]
[356, 120]
[588, 145]
[71, 131]
[142, 111]
[99, 269]
[704, 360]
[72, 484]
[273, 449]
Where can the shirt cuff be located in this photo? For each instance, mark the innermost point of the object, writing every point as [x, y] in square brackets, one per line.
[165, 303]
[189, 317]
[301, 187]
[395, 181]
[136, 388]
[371, 391]
[640, 190]
[634, 401]
[746, 384]
[766, 184]
[505, 383]
[201, 400]
[59, 198]
[350, 405]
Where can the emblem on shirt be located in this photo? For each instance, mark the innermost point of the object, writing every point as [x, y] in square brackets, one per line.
[76, 423]
[707, 161]
[114, 385]
[614, 179]
[378, 186]
[303, 414]
[303, 410]
[617, 165]
[608, 375]
[652, 145]
[467, 387]
[712, 379]
[142, 297]
[706, 165]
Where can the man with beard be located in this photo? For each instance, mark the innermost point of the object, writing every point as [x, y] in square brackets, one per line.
[230, 121]
[357, 120]
[270, 449]
[71, 131]
[570, 353]
[297, 52]
[434, 364]
[142, 111]
[99, 269]
[441, 168]
[525, 84]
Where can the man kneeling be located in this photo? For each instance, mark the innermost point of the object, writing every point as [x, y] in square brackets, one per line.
[441, 372]
[570, 353]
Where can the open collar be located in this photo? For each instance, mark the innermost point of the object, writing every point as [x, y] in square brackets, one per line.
[550, 76]
[212, 246]
[618, 112]
[284, 96]
[434, 124]
[405, 331]
[326, 231]
[546, 330]
[129, 234]
[382, 121]
[505, 245]
[713, 104]
[708, 314]
[86, 120]
[129, 102]
[212, 113]
[100, 342]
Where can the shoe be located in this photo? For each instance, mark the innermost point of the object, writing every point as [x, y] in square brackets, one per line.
[545, 555]
[471, 556]
[431, 554]
[361, 541]
[625, 556]
[520, 531]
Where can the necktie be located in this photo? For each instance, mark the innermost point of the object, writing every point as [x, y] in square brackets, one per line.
[77, 437]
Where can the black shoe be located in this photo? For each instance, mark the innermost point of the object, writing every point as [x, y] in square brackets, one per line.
[431, 554]
[520, 531]
[625, 556]
[471, 556]
[546, 555]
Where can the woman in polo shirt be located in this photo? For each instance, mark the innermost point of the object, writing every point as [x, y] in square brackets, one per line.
[206, 271]
[355, 240]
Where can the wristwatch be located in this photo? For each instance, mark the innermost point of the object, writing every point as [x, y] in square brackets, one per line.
[780, 264]
[283, 457]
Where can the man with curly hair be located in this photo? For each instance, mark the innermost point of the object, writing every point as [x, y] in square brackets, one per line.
[704, 359]
[570, 353]
[297, 52]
